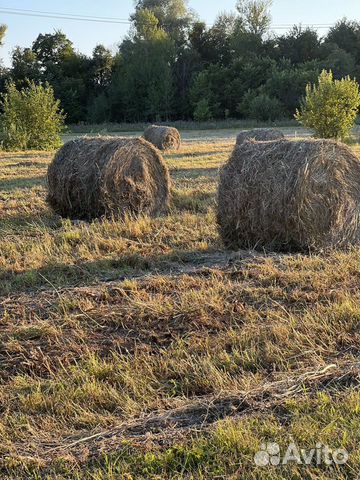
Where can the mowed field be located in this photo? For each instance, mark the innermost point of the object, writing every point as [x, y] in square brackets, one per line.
[141, 349]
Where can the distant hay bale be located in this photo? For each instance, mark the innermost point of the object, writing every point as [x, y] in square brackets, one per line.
[164, 138]
[290, 195]
[260, 135]
[107, 176]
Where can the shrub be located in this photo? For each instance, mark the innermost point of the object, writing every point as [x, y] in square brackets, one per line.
[330, 106]
[31, 119]
[202, 111]
[265, 108]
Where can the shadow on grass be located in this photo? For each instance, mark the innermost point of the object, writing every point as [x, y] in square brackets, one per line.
[197, 201]
[26, 164]
[45, 219]
[55, 276]
[188, 156]
[194, 172]
[21, 183]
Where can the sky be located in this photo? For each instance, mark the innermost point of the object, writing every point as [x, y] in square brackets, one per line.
[22, 30]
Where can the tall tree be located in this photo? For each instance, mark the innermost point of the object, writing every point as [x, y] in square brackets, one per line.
[255, 15]
[144, 79]
[299, 45]
[3, 29]
[66, 70]
[346, 35]
[52, 48]
[102, 63]
[25, 66]
[174, 16]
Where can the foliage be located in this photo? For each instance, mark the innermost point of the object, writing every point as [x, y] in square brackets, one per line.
[254, 15]
[346, 35]
[25, 66]
[299, 45]
[287, 83]
[202, 111]
[3, 29]
[171, 60]
[330, 106]
[262, 107]
[143, 79]
[31, 118]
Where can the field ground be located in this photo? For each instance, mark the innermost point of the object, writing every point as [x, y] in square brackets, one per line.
[142, 350]
[196, 135]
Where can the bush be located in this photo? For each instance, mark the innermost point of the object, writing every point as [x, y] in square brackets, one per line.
[202, 111]
[264, 108]
[31, 119]
[330, 107]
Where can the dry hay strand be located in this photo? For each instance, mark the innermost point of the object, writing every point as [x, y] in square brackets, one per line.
[260, 135]
[290, 195]
[106, 176]
[164, 138]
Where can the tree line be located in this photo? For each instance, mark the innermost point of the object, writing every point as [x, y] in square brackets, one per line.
[172, 66]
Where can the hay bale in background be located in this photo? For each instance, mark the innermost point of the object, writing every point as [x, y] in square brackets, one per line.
[164, 138]
[260, 135]
[290, 195]
[93, 177]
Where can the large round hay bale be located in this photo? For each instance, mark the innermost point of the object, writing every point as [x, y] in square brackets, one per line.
[290, 195]
[107, 176]
[260, 135]
[164, 138]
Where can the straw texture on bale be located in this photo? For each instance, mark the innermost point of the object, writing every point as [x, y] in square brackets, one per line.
[106, 176]
[260, 135]
[164, 138]
[290, 195]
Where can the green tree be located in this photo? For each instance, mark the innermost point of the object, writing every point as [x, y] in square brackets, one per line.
[174, 16]
[346, 35]
[143, 82]
[31, 118]
[287, 83]
[25, 66]
[340, 62]
[202, 110]
[251, 25]
[3, 29]
[52, 48]
[102, 64]
[213, 44]
[67, 71]
[330, 106]
[254, 15]
[299, 45]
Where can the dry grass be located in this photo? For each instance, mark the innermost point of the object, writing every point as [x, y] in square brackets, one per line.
[108, 325]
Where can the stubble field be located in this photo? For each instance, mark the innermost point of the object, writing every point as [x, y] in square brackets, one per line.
[142, 349]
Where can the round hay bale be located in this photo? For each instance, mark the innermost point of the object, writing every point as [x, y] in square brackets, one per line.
[260, 135]
[290, 195]
[107, 176]
[164, 138]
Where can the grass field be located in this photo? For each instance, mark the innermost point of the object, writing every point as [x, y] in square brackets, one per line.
[142, 350]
